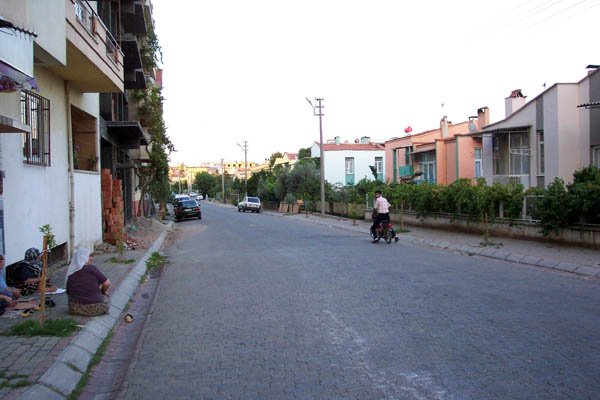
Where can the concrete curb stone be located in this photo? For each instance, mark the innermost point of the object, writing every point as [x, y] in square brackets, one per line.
[501, 255]
[531, 260]
[547, 262]
[588, 270]
[566, 266]
[63, 378]
[514, 257]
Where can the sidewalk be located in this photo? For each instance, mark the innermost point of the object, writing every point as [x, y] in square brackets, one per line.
[578, 260]
[54, 365]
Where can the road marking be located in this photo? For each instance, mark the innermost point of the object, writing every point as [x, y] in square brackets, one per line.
[394, 383]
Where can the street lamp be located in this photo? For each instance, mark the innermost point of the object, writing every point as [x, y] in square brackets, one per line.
[318, 111]
[245, 148]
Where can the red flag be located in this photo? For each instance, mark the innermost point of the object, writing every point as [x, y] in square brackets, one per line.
[408, 130]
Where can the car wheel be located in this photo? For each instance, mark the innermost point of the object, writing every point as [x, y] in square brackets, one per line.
[239, 210]
[199, 216]
[177, 219]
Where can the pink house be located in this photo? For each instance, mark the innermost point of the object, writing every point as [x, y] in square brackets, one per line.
[443, 155]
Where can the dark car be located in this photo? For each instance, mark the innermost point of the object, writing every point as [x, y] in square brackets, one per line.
[187, 209]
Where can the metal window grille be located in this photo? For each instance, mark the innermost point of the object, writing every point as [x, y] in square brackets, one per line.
[35, 112]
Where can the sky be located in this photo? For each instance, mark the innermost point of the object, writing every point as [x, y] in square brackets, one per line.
[238, 70]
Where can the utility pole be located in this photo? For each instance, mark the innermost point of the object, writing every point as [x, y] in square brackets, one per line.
[223, 179]
[245, 148]
[318, 111]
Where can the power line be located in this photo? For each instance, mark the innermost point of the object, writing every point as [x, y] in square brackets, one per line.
[560, 12]
[541, 10]
[519, 6]
[580, 12]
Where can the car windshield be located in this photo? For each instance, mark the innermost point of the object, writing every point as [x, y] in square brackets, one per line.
[188, 203]
[253, 200]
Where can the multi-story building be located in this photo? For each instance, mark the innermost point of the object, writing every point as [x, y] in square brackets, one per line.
[51, 147]
[550, 136]
[442, 155]
[347, 163]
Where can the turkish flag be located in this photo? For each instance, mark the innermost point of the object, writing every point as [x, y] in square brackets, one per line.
[408, 130]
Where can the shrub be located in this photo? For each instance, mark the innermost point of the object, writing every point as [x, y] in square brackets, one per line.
[553, 208]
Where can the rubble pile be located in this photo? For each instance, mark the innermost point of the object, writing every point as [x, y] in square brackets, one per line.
[112, 208]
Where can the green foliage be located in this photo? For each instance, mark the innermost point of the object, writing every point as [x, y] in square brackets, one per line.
[50, 238]
[553, 208]
[584, 196]
[53, 327]
[204, 183]
[304, 153]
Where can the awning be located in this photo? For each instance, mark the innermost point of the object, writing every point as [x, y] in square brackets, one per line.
[127, 134]
[512, 129]
[12, 79]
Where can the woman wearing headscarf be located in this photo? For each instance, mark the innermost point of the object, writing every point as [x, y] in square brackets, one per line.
[27, 276]
[86, 286]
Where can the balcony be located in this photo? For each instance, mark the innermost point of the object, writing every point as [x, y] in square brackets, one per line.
[132, 17]
[94, 58]
[132, 63]
[516, 179]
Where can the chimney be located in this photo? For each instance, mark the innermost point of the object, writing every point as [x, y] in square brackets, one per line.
[444, 127]
[483, 117]
[337, 140]
[513, 102]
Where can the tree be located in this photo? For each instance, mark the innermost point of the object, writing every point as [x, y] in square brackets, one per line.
[204, 183]
[304, 153]
[273, 157]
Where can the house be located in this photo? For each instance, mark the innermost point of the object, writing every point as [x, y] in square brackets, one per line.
[288, 160]
[347, 163]
[50, 145]
[443, 155]
[549, 137]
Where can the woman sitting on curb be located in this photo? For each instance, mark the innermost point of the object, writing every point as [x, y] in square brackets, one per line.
[86, 286]
[27, 275]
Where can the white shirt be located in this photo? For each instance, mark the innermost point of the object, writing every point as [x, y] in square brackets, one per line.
[382, 205]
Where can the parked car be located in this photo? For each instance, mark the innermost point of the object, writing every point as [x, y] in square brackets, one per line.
[180, 197]
[187, 209]
[249, 204]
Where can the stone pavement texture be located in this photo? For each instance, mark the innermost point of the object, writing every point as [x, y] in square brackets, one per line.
[256, 306]
[54, 365]
[579, 260]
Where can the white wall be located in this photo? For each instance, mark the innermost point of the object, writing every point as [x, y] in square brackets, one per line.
[47, 18]
[335, 164]
[574, 142]
[36, 195]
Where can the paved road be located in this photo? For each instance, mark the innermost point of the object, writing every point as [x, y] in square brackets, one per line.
[255, 306]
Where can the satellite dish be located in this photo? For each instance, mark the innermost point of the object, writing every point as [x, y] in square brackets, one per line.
[472, 127]
[356, 141]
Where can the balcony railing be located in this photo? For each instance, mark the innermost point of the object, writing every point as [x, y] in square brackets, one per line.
[89, 18]
[405, 170]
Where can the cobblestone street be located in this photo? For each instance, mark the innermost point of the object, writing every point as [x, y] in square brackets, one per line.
[258, 306]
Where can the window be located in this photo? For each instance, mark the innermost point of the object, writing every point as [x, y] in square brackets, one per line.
[478, 170]
[349, 170]
[85, 139]
[349, 165]
[596, 156]
[427, 166]
[511, 153]
[35, 112]
[379, 165]
[540, 151]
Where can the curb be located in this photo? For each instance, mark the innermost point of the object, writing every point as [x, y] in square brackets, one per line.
[575, 268]
[64, 374]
